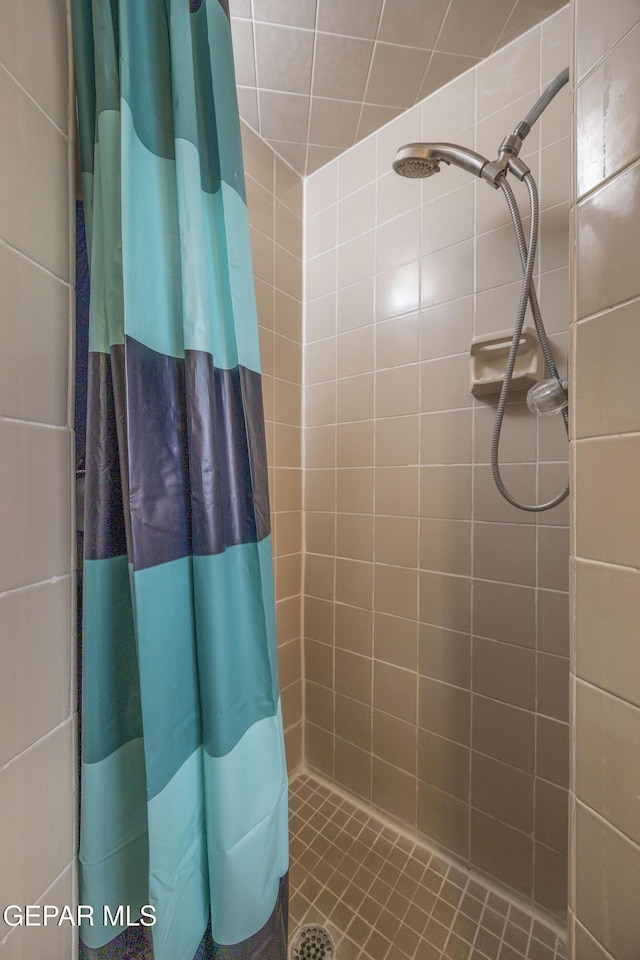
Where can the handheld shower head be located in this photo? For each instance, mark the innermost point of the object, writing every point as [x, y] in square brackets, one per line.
[423, 159]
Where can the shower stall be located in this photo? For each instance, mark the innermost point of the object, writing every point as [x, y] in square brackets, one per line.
[436, 613]
[435, 665]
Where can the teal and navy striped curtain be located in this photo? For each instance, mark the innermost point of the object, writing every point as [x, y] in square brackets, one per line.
[183, 777]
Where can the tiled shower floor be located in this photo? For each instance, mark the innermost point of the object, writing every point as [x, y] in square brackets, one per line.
[383, 897]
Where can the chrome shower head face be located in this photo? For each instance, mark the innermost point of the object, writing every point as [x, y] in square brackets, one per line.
[415, 161]
[423, 159]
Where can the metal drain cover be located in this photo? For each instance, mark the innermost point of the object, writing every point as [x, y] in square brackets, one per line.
[312, 942]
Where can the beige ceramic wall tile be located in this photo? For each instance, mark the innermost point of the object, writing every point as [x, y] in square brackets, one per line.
[552, 810]
[552, 685]
[586, 946]
[353, 721]
[605, 139]
[355, 352]
[35, 355]
[444, 819]
[288, 229]
[504, 672]
[34, 854]
[397, 441]
[444, 600]
[395, 640]
[397, 291]
[445, 436]
[321, 232]
[54, 942]
[355, 398]
[504, 611]
[607, 526]
[354, 583]
[396, 492]
[551, 872]
[395, 195]
[355, 305]
[444, 710]
[552, 626]
[606, 404]
[353, 629]
[488, 503]
[447, 274]
[397, 341]
[552, 751]
[505, 552]
[354, 536]
[394, 741]
[36, 507]
[607, 733]
[597, 31]
[444, 655]
[396, 542]
[320, 318]
[446, 328]
[608, 876]
[502, 852]
[38, 58]
[398, 391]
[516, 66]
[444, 764]
[353, 768]
[319, 705]
[504, 732]
[608, 228]
[354, 490]
[394, 791]
[445, 384]
[34, 186]
[445, 546]
[395, 590]
[502, 791]
[34, 638]
[261, 207]
[607, 614]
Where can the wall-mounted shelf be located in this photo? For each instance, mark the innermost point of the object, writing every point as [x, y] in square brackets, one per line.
[489, 359]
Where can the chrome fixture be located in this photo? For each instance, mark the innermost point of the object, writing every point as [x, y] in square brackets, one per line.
[417, 160]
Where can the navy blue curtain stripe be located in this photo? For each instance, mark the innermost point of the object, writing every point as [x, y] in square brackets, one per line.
[269, 943]
[226, 432]
[104, 530]
[198, 484]
[197, 470]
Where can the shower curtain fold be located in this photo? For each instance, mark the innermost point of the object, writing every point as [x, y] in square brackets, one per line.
[183, 775]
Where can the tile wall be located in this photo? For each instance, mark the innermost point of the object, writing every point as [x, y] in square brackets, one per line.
[436, 615]
[605, 858]
[37, 610]
[274, 198]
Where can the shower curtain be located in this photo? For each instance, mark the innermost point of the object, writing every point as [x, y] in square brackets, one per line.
[183, 837]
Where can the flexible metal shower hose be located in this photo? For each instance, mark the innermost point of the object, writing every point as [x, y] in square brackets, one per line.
[527, 294]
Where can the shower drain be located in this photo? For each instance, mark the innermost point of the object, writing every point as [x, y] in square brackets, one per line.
[312, 943]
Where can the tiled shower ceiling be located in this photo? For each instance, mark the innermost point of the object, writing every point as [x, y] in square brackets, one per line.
[316, 76]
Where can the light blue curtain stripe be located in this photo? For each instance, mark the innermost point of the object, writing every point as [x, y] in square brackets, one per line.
[172, 269]
[236, 226]
[114, 842]
[150, 245]
[178, 872]
[248, 839]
